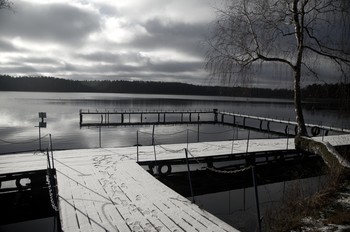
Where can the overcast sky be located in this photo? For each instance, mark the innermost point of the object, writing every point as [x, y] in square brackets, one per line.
[149, 40]
[84, 39]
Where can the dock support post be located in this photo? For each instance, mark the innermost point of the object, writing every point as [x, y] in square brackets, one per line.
[244, 121]
[189, 176]
[122, 118]
[256, 198]
[190, 117]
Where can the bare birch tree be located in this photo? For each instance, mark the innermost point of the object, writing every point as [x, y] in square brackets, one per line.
[291, 33]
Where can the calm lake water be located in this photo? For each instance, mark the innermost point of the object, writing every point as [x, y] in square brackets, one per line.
[19, 116]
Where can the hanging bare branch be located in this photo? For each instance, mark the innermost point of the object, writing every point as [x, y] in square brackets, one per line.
[248, 33]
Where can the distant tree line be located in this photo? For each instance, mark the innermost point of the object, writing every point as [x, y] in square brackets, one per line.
[51, 84]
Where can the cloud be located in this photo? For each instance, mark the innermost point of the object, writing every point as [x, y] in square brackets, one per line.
[49, 23]
[119, 40]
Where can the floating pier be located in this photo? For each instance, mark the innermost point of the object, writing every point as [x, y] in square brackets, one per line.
[107, 190]
[107, 118]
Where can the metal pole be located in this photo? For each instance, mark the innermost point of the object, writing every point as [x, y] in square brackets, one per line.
[53, 164]
[233, 138]
[287, 134]
[99, 136]
[256, 198]
[48, 159]
[187, 139]
[137, 145]
[39, 138]
[247, 142]
[154, 148]
[189, 176]
[198, 133]
[244, 199]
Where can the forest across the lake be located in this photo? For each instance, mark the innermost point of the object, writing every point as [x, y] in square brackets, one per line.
[52, 84]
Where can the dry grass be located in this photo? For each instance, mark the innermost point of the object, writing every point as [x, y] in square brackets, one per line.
[296, 207]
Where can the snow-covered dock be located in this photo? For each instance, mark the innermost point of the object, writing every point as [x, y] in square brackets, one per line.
[106, 190]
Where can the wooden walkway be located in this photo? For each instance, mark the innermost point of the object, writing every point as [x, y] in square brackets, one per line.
[106, 190]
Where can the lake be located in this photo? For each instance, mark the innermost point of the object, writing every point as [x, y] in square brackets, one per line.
[19, 116]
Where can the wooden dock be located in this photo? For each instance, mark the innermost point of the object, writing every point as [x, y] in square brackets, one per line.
[106, 190]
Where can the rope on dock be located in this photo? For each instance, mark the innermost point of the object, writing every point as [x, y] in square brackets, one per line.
[219, 170]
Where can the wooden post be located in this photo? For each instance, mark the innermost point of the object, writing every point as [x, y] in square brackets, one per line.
[122, 118]
[190, 117]
[182, 117]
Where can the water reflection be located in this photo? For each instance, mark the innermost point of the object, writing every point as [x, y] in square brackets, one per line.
[237, 207]
[19, 116]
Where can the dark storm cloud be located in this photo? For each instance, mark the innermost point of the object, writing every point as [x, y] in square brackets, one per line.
[174, 67]
[110, 57]
[58, 23]
[167, 34]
